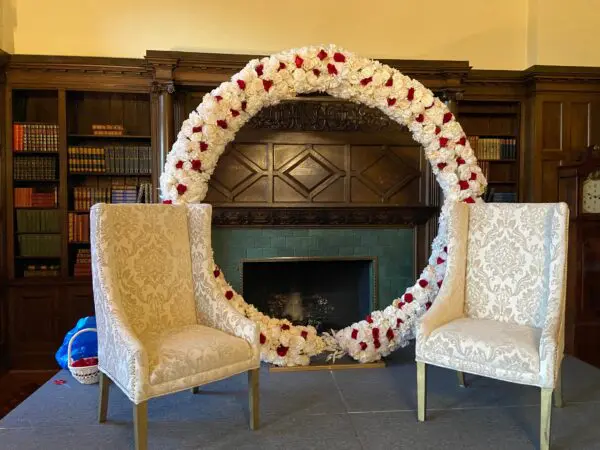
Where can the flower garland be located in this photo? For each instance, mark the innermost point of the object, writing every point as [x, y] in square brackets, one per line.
[342, 74]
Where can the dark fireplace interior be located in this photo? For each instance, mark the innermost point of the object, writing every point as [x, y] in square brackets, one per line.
[325, 293]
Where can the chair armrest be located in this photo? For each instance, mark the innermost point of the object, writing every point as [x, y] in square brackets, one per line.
[448, 306]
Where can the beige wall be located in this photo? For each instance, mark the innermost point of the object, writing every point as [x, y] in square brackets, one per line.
[492, 34]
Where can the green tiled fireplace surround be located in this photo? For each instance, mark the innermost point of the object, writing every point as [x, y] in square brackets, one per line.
[393, 248]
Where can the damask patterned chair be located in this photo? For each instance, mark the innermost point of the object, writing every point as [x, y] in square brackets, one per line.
[500, 311]
[163, 326]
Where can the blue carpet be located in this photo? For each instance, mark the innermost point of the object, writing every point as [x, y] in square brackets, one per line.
[352, 409]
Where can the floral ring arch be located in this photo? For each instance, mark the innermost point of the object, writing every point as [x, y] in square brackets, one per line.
[344, 75]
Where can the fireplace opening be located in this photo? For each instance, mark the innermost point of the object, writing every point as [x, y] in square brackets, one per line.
[327, 293]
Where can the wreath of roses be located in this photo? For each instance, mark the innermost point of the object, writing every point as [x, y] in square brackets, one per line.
[342, 74]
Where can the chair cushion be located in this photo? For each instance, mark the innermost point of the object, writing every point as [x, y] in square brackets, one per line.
[182, 352]
[485, 347]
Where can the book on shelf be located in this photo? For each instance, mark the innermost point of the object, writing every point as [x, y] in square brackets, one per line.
[36, 168]
[28, 197]
[490, 148]
[108, 130]
[83, 263]
[39, 245]
[38, 221]
[85, 197]
[79, 227]
[118, 160]
[35, 137]
[41, 270]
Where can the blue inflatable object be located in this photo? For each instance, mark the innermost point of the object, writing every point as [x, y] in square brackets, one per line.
[84, 346]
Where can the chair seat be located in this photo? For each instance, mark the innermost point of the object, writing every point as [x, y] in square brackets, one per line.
[485, 347]
[191, 350]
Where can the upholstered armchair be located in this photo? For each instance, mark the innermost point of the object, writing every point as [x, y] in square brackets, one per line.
[163, 326]
[500, 311]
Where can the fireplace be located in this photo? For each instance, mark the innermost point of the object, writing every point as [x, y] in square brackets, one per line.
[328, 293]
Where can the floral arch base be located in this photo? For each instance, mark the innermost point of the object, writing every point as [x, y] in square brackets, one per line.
[344, 75]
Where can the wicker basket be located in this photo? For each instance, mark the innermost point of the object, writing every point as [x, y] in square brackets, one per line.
[83, 374]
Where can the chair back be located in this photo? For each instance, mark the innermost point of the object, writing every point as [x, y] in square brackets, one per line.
[516, 256]
[141, 263]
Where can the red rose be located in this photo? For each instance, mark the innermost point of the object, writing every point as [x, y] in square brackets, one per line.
[469, 200]
[222, 124]
[376, 343]
[463, 184]
[241, 84]
[181, 188]
[282, 351]
[366, 81]
[197, 129]
[440, 283]
[423, 283]
[281, 66]
[322, 55]
[363, 346]
[437, 130]
[400, 304]
[244, 104]
[375, 333]
[440, 260]
[267, 84]
[399, 322]
[427, 306]
[299, 61]
[354, 334]
[196, 165]
[339, 57]
[218, 98]
[473, 176]
[462, 141]
[420, 118]
[179, 164]
[285, 326]
[389, 82]
[317, 72]
[443, 141]
[229, 295]
[441, 166]
[369, 318]
[304, 334]
[408, 297]
[411, 94]
[332, 69]
[216, 273]
[263, 339]
[391, 101]
[460, 161]
[234, 112]
[389, 334]
[203, 146]
[259, 70]
[447, 117]
[167, 202]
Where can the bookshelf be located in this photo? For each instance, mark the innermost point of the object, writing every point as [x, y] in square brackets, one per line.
[493, 129]
[70, 150]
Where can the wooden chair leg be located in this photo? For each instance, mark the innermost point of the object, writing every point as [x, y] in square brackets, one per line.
[103, 397]
[558, 397]
[461, 379]
[196, 390]
[545, 418]
[421, 390]
[140, 425]
[253, 398]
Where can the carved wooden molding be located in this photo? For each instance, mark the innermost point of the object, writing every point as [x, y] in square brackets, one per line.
[326, 216]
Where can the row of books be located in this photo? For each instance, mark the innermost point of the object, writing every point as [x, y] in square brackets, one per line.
[83, 263]
[37, 168]
[108, 130]
[491, 196]
[125, 160]
[494, 148]
[38, 221]
[79, 227]
[41, 270]
[33, 198]
[85, 197]
[39, 245]
[35, 137]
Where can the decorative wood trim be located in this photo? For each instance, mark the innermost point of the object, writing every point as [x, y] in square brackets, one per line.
[321, 216]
